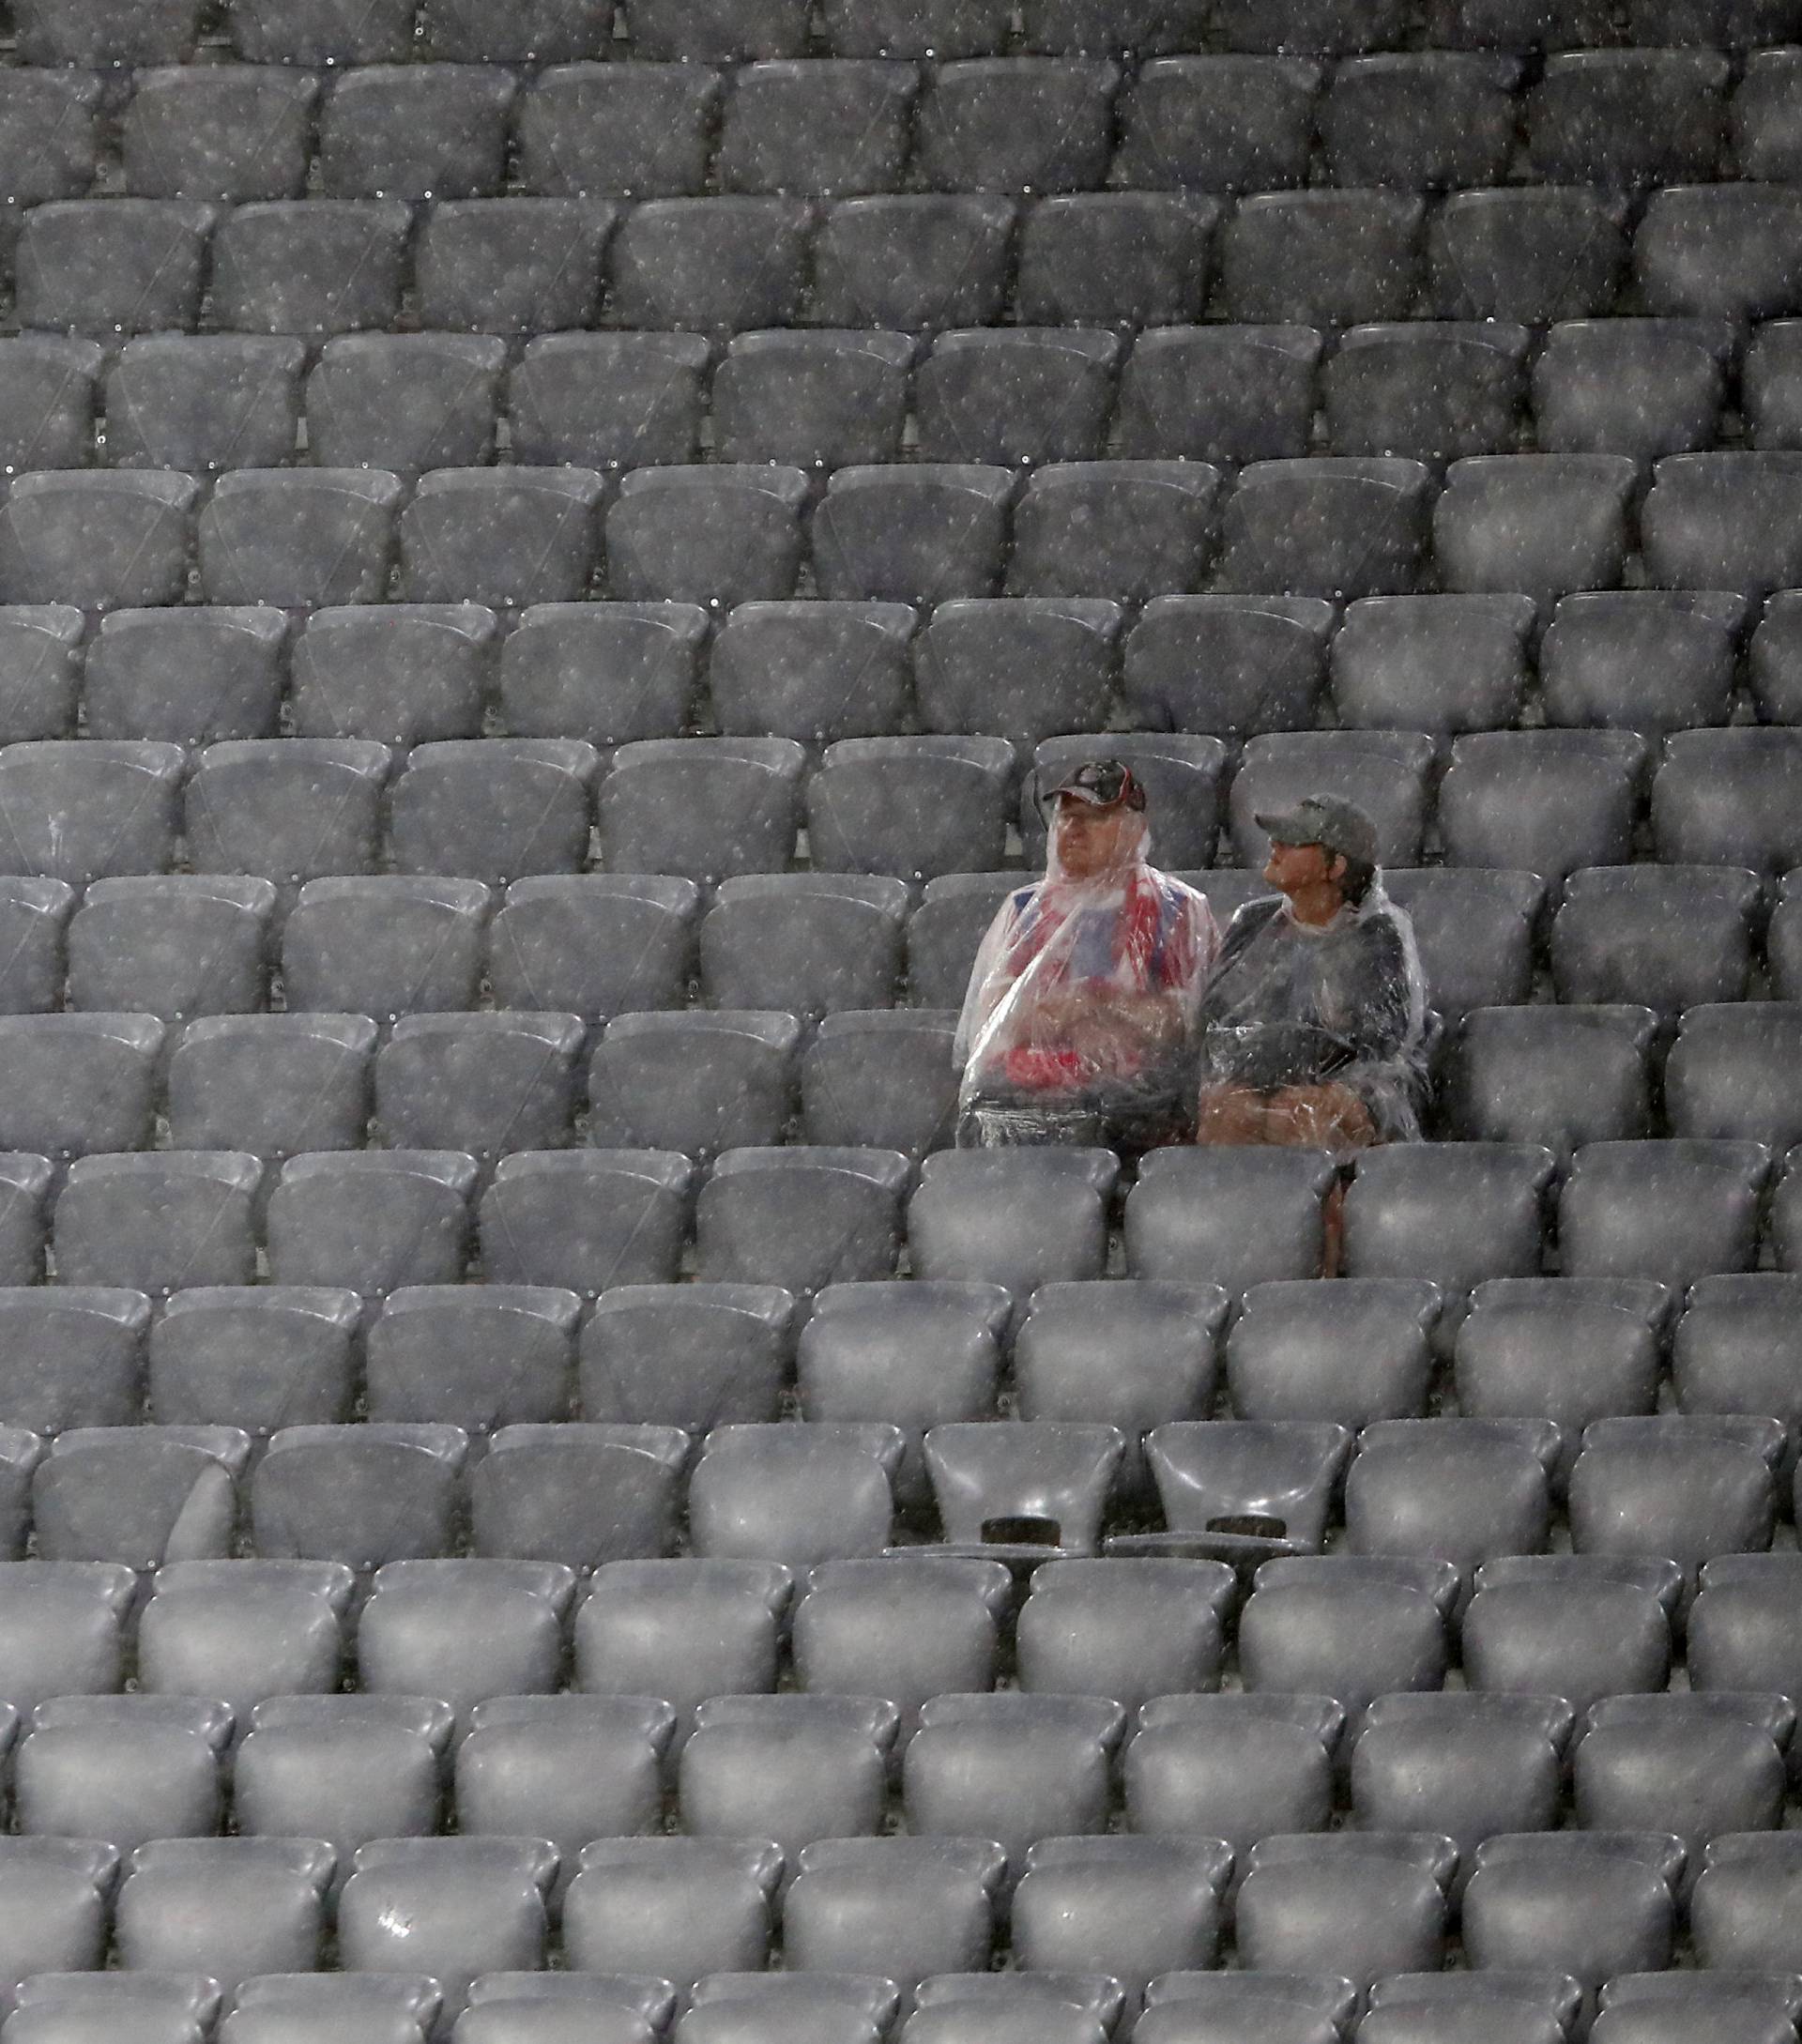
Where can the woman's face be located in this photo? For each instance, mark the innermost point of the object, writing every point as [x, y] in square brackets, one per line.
[1087, 841]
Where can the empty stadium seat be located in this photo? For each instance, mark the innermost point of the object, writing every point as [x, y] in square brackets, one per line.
[1260, 2007]
[1508, 1360]
[1739, 1907]
[289, 809]
[462, 1630]
[270, 2008]
[615, 131]
[1590, 1904]
[223, 1908]
[123, 266]
[881, 1079]
[127, 1768]
[801, 1218]
[81, 1083]
[496, 1356]
[186, 677]
[704, 1356]
[271, 1085]
[508, 536]
[1702, 1764]
[682, 1630]
[1728, 520]
[1725, 797]
[50, 141]
[591, 944]
[47, 384]
[810, 943]
[1021, 395]
[1768, 387]
[1531, 252]
[911, 807]
[227, 132]
[404, 401]
[917, 535]
[74, 1356]
[1433, 392]
[1559, 1076]
[172, 945]
[158, 1223]
[510, 266]
[908, 1627]
[1625, 117]
[369, 1221]
[1673, 1212]
[648, 651]
[698, 1082]
[830, 125]
[566, 1768]
[1239, 393]
[1457, 1215]
[1128, 530]
[1357, 1354]
[1651, 2006]
[1263, 659]
[607, 400]
[500, 808]
[1408, 2007]
[297, 538]
[244, 1631]
[1466, 1767]
[167, 2007]
[58, 1893]
[794, 1495]
[1358, 1904]
[1115, 257]
[701, 809]
[577, 1496]
[719, 264]
[1640, 387]
[1687, 1486]
[1241, 123]
[916, 262]
[309, 266]
[1545, 522]
[1729, 1352]
[1131, 1628]
[1341, 258]
[104, 541]
[720, 535]
[787, 1768]
[1278, 1477]
[1717, 250]
[415, 131]
[898, 1907]
[673, 1909]
[38, 657]
[479, 1083]
[586, 1220]
[1353, 1628]
[1425, 120]
[63, 1625]
[1328, 529]
[362, 1494]
[1453, 1490]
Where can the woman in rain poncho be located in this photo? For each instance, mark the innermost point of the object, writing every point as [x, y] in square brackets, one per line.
[1079, 1022]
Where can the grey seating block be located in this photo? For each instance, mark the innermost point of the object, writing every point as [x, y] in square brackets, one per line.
[483, 1084]
[698, 1082]
[882, 1079]
[463, 1630]
[1506, 1354]
[1128, 1628]
[918, 535]
[244, 1631]
[605, 2007]
[1719, 252]
[723, 534]
[1670, 937]
[1129, 531]
[1353, 1628]
[1106, 256]
[1220, 123]
[1585, 1626]
[1705, 1765]
[1458, 1490]
[475, 1357]
[1740, 1903]
[1547, 523]
[590, 1221]
[617, 130]
[73, 1356]
[416, 131]
[1227, 1216]
[510, 266]
[172, 945]
[112, 267]
[494, 808]
[606, 673]
[25, 1185]
[299, 537]
[371, 1221]
[608, 400]
[40, 672]
[1590, 1904]
[1640, 387]
[812, 944]
[1368, 1358]
[905, 1628]
[789, 1768]
[914, 262]
[1341, 258]
[344, 1769]
[50, 124]
[716, 264]
[384, 946]
[1021, 395]
[539, 32]
[1556, 1076]
[158, 1223]
[828, 125]
[674, 1909]
[139, 1495]
[1687, 1486]
[1274, 1476]
[597, 945]
[186, 677]
[817, 399]
[1394, 658]
[127, 1768]
[1454, 1214]
[1467, 1767]
[1541, 802]
[104, 541]
[80, 1083]
[1648, 2008]
[227, 132]
[1015, 1218]
[47, 390]
[1474, 931]
[1726, 798]
[63, 1627]
[989, 1480]
[1025, 668]
[319, 32]
[1128, 1909]
[682, 1630]
[1248, 2008]
[1434, 391]
[1682, 1211]
[915, 808]
[802, 1217]
[309, 266]
[794, 1495]
[224, 1908]
[1535, 254]
[72, 2008]
[702, 808]
[362, 1494]
[1499, 2004]
[290, 809]
[1729, 1351]
[293, 2007]
[1360, 1904]
[401, 673]
[1240, 392]
[912, 1906]
[578, 1496]
[508, 537]
[1731, 521]
[1263, 660]
[58, 1895]
[1234, 1767]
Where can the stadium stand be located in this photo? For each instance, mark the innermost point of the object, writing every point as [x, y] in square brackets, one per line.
[546, 549]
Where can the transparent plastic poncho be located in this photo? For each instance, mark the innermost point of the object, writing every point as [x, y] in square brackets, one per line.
[1301, 1016]
[1088, 990]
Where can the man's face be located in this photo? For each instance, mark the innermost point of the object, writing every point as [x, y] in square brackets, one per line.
[1087, 841]
[1291, 868]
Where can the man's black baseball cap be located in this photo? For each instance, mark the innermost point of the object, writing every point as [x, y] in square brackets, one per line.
[1101, 783]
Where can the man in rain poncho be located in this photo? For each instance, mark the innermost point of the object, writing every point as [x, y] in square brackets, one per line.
[1314, 1028]
[1079, 1022]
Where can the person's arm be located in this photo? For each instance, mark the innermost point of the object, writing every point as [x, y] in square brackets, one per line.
[1380, 998]
[989, 982]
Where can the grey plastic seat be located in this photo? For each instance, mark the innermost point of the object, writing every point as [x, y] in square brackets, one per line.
[106, 541]
[917, 262]
[1389, 769]
[1511, 1355]
[1466, 1767]
[225, 133]
[1115, 257]
[295, 2007]
[158, 1223]
[1015, 1218]
[1718, 252]
[577, 1496]
[1727, 521]
[47, 384]
[1463, 1492]
[34, 920]
[946, 930]
[824, 124]
[1129, 1910]
[120, 266]
[809, 944]
[1768, 387]
[62, 1624]
[171, 945]
[510, 266]
[80, 1083]
[908, 1627]
[316, 31]
[1559, 1077]
[1702, 1764]
[508, 537]
[126, 1768]
[1585, 1627]
[1650, 2007]
[42, 669]
[1541, 802]
[371, 1221]
[186, 677]
[586, 1220]
[25, 1185]
[612, 2008]
[309, 266]
[719, 264]
[910, 1907]
[607, 400]
[1590, 1904]
[493, 808]
[801, 1218]
[597, 945]
[1628, 117]
[1474, 2007]
[299, 537]
[1535, 254]
[1264, 659]
[1426, 119]
[1235, 1218]
[223, 1908]
[919, 535]
[1740, 1905]
[463, 1630]
[406, 132]
[1246, 2007]
[1230, 393]
[404, 401]
[1325, 529]
[915, 808]
[399, 673]
[1455, 1214]
[647, 652]
[1015, 124]
[794, 1494]
[674, 1909]
[460, 1906]
[1131, 1629]
[290, 809]
[1393, 657]
[1359, 1354]
[1021, 667]
[84, 810]
[1726, 798]
[617, 131]
[1641, 387]
[273, 1086]
[719, 535]
[58, 1894]
[52, 143]
[789, 1768]
[73, 1356]
[1278, 1477]
[698, 1082]
[1674, 1211]
[498, 1356]
[1016, 396]
[107, 35]
[483, 1084]
[1360, 1904]
[72, 2008]
[1045, 1485]
[244, 1631]
[1731, 1350]
[815, 400]
[1339, 258]
[1600, 645]
[345, 1769]
[1353, 1628]
[1431, 392]
[1218, 125]
[362, 1494]
[683, 1630]
[701, 808]
[139, 1495]
[759, 2007]
[1687, 1486]
[882, 1079]
[702, 1356]
[567, 1768]
[1543, 523]
[538, 31]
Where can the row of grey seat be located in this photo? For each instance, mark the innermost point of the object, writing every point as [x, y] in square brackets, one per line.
[1026, 124]
[856, 1912]
[921, 533]
[1008, 395]
[1534, 252]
